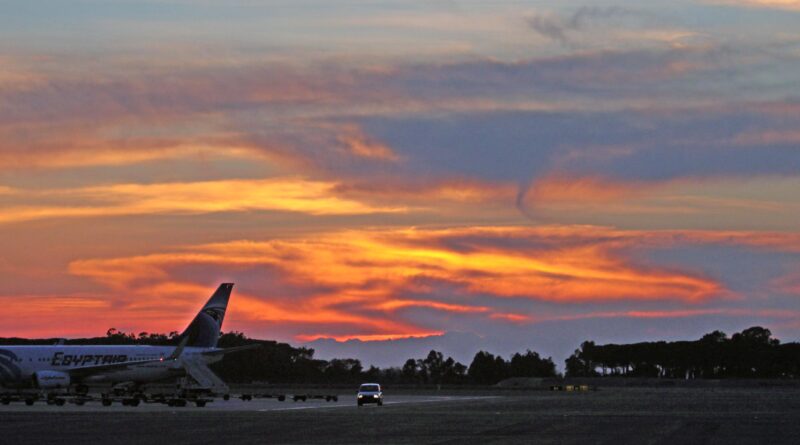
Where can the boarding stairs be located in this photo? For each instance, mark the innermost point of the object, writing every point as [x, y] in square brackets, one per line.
[204, 377]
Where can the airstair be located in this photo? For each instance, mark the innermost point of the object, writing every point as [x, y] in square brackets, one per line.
[204, 378]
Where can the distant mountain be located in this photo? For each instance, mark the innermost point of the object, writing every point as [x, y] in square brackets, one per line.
[385, 353]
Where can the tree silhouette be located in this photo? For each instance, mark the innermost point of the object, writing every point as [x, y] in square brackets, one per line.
[750, 353]
[531, 364]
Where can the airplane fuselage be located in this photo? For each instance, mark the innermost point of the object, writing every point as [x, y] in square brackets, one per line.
[62, 367]
[18, 364]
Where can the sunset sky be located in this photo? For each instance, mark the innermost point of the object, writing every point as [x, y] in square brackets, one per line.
[527, 173]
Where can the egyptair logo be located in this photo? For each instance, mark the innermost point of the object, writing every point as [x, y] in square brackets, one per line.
[9, 371]
[215, 313]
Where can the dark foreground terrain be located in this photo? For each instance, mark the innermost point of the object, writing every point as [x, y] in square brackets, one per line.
[609, 415]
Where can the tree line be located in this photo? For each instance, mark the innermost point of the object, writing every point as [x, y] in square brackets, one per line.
[752, 353]
[281, 363]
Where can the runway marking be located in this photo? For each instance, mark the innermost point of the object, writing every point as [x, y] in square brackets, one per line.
[443, 399]
[305, 407]
[396, 402]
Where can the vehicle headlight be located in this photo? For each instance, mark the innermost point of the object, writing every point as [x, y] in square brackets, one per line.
[360, 396]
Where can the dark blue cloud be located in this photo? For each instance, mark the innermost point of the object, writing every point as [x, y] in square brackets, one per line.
[660, 144]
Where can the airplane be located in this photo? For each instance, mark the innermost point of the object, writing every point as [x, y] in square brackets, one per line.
[75, 367]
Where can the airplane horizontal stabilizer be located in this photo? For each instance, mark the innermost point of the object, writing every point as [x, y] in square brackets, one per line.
[224, 351]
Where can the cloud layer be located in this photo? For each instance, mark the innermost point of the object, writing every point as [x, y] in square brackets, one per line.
[382, 170]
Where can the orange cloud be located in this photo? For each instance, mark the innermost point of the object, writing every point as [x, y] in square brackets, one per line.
[90, 314]
[34, 315]
[19, 73]
[434, 194]
[63, 142]
[681, 313]
[122, 110]
[685, 313]
[513, 318]
[791, 5]
[359, 144]
[718, 203]
[373, 337]
[770, 241]
[283, 194]
[352, 284]
[369, 284]
[583, 190]
[91, 154]
[351, 260]
[459, 308]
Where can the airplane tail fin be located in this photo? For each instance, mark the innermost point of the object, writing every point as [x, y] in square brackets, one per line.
[204, 330]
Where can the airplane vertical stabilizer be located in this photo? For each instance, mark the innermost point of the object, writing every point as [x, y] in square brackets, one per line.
[204, 330]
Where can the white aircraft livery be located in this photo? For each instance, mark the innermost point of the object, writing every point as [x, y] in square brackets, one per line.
[62, 366]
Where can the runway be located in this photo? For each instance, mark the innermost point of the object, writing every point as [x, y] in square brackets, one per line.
[237, 405]
[609, 416]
